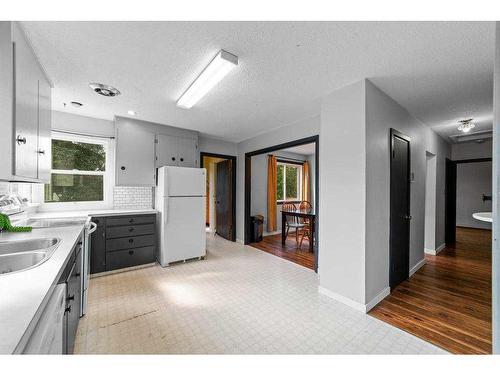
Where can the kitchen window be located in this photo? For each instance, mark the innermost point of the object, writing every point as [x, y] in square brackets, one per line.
[289, 186]
[80, 171]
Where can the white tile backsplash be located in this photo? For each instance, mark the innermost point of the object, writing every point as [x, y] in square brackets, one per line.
[133, 197]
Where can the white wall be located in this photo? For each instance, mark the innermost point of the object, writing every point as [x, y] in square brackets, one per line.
[342, 186]
[301, 129]
[259, 184]
[472, 150]
[473, 180]
[355, 190]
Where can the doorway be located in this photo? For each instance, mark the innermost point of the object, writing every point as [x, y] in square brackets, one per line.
[278, 177]
[399, 240]
[221, 194]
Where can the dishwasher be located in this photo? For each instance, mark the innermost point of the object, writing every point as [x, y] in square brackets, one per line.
[48, 335]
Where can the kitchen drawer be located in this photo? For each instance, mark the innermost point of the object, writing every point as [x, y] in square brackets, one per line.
[130, 242]
[129, 230]
[129, 258]
[128, 220]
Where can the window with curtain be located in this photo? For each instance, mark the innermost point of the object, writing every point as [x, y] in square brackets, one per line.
[79, 170]
[289, 182]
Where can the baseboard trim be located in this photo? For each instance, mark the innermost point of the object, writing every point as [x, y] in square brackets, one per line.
[240, 241]
[364, 308]
[378, 298]
[417, 266]
[435, 252]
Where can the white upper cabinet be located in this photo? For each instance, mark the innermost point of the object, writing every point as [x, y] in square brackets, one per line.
[176, 151]
[187, 152]
[166, 151]
[135, 156]
[25, 108]
[44, 130]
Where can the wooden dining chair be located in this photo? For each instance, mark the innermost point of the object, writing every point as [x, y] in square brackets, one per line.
[292, 222]
[305, 231]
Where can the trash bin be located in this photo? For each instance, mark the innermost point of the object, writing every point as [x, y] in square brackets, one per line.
[257, 227]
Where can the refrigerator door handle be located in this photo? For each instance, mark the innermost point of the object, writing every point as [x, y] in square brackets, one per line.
[165, 210]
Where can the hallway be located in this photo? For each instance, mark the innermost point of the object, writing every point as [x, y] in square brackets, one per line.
[448, 301]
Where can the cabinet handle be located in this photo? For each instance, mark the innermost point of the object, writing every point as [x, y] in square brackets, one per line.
[173, 159]
[131, 240]
[77, 274]
[131, 220]
[122, 168]
[21, 140]
[70, 298]
[182, 159]
[67, 309]
[41, 152]
[131, 252]
[131, 229]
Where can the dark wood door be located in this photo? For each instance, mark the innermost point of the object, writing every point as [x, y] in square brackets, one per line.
[450, 215]
[400, 209]
[224, 199]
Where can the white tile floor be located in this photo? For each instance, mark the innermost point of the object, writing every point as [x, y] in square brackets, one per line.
[238, 300]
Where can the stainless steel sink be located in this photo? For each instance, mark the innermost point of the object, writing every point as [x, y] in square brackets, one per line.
[21, 261]
[25, 254]
[10, 247]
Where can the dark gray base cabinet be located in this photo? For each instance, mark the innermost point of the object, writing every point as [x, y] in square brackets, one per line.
[72, 277]
[122, 241]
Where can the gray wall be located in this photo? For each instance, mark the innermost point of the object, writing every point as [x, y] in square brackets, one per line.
[460, 151]
[342, 185]
[354, 225]
[301, 129]
[473, 180]
[259, 184]
[383, 113]
[82, 124]
[217, 146]
[496, 201]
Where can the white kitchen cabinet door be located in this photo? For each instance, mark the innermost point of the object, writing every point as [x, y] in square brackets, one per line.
[135, 156]
[167, 150]
[187, 152]
[44, 129]
[26, 76]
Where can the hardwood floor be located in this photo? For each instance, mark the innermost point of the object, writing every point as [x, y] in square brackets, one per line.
[272, 245]
[448, 301]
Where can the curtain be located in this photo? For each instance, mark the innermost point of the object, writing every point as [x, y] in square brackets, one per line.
[272, 183]
[306, 182]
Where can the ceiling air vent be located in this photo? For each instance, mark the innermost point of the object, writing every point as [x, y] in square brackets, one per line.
[104, 90]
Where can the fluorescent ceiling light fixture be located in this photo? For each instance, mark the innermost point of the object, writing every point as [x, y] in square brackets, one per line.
[131, 112]
[218, 68]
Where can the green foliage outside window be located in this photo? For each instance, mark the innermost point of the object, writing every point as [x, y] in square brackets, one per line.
[288, 180]
[76, 187]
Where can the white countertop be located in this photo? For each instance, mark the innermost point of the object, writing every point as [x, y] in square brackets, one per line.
[23, 295]
[77, 213]
[483, 216]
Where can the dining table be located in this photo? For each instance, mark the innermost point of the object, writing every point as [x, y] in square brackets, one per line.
[304, 213]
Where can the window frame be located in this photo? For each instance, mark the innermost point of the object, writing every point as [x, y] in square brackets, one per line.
[299, 166]
[108, 174]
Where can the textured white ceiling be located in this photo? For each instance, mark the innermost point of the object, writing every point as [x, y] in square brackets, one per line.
[307, 149]
[440, 71]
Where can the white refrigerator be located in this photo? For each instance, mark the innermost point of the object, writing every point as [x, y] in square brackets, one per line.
[180, 199]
